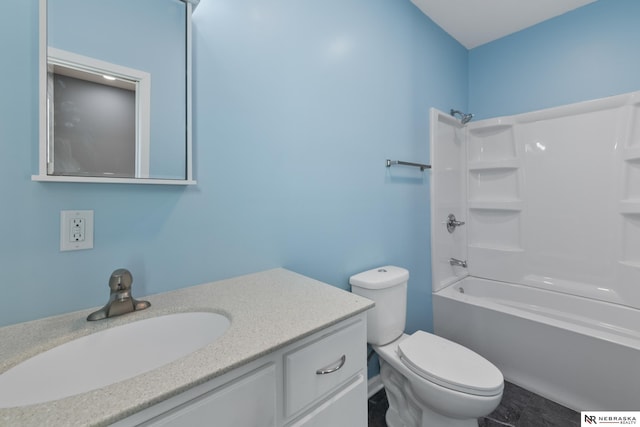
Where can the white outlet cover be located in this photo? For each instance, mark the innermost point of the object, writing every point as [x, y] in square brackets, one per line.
[67, 242]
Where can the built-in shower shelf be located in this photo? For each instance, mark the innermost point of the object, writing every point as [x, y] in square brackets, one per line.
[496, 205]
[629, 207]
[491, 144]
[631, 154]
[510, 249]
[634, 264]
[490, 130]
[496, 164]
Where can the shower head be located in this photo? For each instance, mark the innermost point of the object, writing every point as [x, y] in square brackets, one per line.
[464, 118]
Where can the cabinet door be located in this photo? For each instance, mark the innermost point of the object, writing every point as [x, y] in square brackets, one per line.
[247, 401]
[347, 408]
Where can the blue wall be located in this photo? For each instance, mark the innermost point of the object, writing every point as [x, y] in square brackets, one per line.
[297, 106]
[591, 52]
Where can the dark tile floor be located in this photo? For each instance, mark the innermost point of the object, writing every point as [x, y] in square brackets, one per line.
[519, 408]
[378, 406]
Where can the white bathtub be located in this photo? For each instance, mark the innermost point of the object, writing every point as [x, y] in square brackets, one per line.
[581, 353]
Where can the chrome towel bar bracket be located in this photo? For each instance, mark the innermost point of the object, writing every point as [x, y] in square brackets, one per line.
[400, 162]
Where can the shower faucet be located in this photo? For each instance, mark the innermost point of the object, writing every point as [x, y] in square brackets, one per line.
[452, 223]
[458, 262]
[120, 299]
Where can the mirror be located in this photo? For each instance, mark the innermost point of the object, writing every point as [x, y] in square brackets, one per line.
[115, 101]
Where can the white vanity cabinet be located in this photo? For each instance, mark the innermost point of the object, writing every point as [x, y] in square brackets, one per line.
[319, 380]
[224, 405]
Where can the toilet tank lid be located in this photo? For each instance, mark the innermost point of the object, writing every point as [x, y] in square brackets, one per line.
[380, 278]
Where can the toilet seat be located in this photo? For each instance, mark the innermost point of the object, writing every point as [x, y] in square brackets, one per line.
[450, 365]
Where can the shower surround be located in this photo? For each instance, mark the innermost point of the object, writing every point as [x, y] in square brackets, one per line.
[551, 203]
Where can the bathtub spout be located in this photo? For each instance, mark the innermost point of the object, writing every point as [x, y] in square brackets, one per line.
[458, 262]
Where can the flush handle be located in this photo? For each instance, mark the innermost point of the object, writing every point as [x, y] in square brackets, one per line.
[452, 223]
[333, 367]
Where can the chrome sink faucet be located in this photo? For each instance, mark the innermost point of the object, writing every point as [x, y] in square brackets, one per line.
[120, 299]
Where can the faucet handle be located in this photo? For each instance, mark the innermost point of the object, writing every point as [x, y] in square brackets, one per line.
[120, 280]
[120, 299]
[452, 223]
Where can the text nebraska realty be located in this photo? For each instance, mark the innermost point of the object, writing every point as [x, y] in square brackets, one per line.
[593, 419]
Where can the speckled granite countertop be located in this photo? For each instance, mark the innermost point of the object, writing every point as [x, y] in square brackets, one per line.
[268, 310]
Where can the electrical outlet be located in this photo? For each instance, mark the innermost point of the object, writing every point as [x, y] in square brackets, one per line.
[76, 230]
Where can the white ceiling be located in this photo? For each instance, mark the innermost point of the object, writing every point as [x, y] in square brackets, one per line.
[476, 22]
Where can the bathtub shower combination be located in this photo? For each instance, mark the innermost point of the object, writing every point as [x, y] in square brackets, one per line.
[550, 291]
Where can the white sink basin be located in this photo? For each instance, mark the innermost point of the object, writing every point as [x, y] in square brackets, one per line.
[108, 356]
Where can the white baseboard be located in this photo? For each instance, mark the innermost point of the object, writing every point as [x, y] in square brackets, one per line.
[374, 385]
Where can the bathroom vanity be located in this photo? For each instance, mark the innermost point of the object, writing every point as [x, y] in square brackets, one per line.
[294, 355]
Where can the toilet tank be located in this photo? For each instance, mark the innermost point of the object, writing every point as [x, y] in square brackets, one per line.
[387, 287]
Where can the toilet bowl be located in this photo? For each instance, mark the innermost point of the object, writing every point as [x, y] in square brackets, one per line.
[440, 394]
[429, 380]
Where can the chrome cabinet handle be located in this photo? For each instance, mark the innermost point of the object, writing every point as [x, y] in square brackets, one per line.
[333, 367]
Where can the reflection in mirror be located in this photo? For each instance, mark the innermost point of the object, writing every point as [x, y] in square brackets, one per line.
[115, 91]
[100, 117]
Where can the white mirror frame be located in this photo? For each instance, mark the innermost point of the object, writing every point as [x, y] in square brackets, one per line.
[43, 121]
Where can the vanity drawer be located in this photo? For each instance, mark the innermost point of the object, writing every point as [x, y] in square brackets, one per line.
[321, 366]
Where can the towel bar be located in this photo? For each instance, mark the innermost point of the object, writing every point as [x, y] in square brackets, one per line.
[400, 162]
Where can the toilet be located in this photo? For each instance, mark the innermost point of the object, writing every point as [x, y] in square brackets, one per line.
[429, 380]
